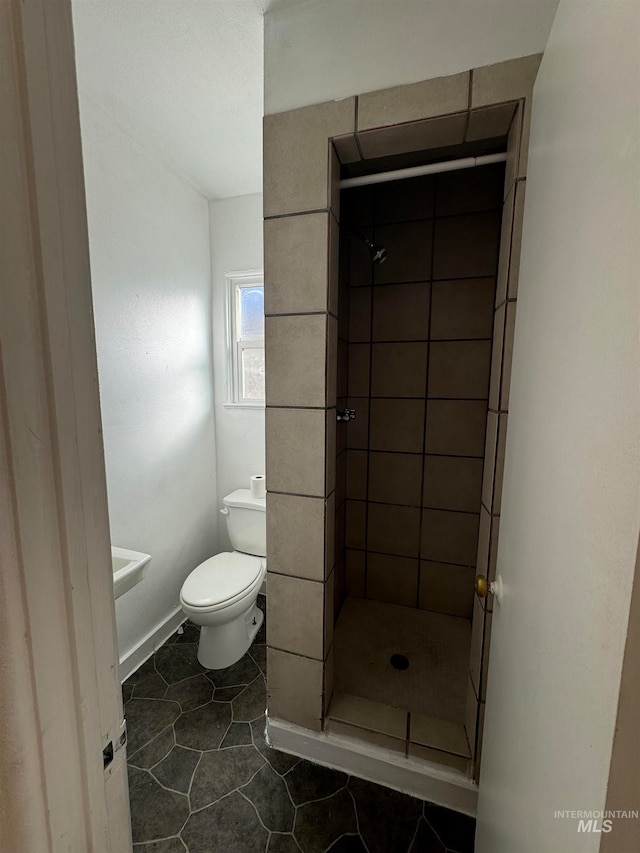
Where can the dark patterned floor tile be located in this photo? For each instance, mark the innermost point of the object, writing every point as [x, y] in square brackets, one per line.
[190, 634]
[228, 826]
[309, 781]
[239, 777]
[191, 693]
[155, 813]
[259, 655]
[456, 831]
[318, 825]
[175, 771]
[168, 845]
[239, 734]
[242, 672]
[386, 818]
[221, 772]
[280, 761]
[146, 718]
[268, 793]
[154, 751]
[426, 841]
[226, 694]
[204, 727]
[152, 687]
[174, 663]
[251, 703]
[282, 844]
[351, 844]
[143, 671]
[189, 652]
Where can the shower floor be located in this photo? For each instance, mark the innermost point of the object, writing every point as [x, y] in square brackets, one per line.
[429, 695]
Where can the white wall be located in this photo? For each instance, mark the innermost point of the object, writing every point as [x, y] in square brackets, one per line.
[150, 267]
[236, 244]
[325, 49]
[571, 501]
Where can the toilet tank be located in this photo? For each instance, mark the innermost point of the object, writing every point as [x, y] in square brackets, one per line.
[246, 522]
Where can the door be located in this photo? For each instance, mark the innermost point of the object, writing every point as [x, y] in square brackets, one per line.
[571, 502]
[64, 759]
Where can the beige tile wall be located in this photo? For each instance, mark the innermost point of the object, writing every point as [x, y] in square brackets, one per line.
[308, 455]
[304, 376]
[419, 351]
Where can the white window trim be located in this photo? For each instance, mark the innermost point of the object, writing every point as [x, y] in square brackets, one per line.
[233, 280]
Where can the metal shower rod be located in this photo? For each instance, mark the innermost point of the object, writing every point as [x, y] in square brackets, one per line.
[417, 171]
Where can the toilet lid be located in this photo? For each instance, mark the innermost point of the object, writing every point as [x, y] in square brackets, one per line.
[220, 578]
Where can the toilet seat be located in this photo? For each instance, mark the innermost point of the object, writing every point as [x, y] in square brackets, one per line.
[221, 581]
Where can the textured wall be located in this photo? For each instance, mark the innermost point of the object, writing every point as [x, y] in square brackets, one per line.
[149, 246]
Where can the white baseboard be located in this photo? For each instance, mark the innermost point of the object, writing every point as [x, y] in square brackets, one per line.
[422, 779]
[135, 657]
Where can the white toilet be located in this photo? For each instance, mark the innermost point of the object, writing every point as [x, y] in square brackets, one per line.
[220, 594]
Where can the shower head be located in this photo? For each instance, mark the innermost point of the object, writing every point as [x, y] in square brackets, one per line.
[378, 252]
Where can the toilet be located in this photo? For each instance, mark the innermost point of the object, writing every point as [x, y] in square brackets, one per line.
[220, 594]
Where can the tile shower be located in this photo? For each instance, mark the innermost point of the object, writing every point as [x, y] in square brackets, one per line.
[377, 528]
[415, 341]
[419, 357]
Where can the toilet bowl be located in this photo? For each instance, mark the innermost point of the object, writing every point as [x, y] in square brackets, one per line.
[220, 594]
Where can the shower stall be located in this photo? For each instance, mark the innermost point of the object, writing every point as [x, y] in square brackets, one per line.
[417, 289]
[390, 307]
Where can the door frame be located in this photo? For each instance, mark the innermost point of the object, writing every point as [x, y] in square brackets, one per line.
[60, 700]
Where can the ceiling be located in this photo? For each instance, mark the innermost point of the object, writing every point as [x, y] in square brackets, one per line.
[184, 78]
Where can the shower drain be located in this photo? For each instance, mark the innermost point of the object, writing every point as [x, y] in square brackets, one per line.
[399, 662]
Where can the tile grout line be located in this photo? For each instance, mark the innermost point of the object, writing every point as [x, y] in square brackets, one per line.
[415, 832]
[426, 390]
[293, 213]
[328, 796]
[253, 805]
[480, 211]
[396, 341]
[420, 506]
[162, 785]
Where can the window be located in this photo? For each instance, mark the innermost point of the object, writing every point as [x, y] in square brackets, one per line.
[245, 299]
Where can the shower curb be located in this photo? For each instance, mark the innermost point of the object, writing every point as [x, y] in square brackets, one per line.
[416, 777]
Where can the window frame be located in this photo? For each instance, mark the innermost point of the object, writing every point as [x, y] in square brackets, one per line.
[234, 282]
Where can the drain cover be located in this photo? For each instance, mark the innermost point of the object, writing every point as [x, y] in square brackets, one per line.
[399, 662]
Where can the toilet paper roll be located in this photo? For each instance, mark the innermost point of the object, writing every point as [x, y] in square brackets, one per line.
[258, 486]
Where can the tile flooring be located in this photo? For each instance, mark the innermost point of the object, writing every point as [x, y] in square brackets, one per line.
[437, 647]
[203, 780]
